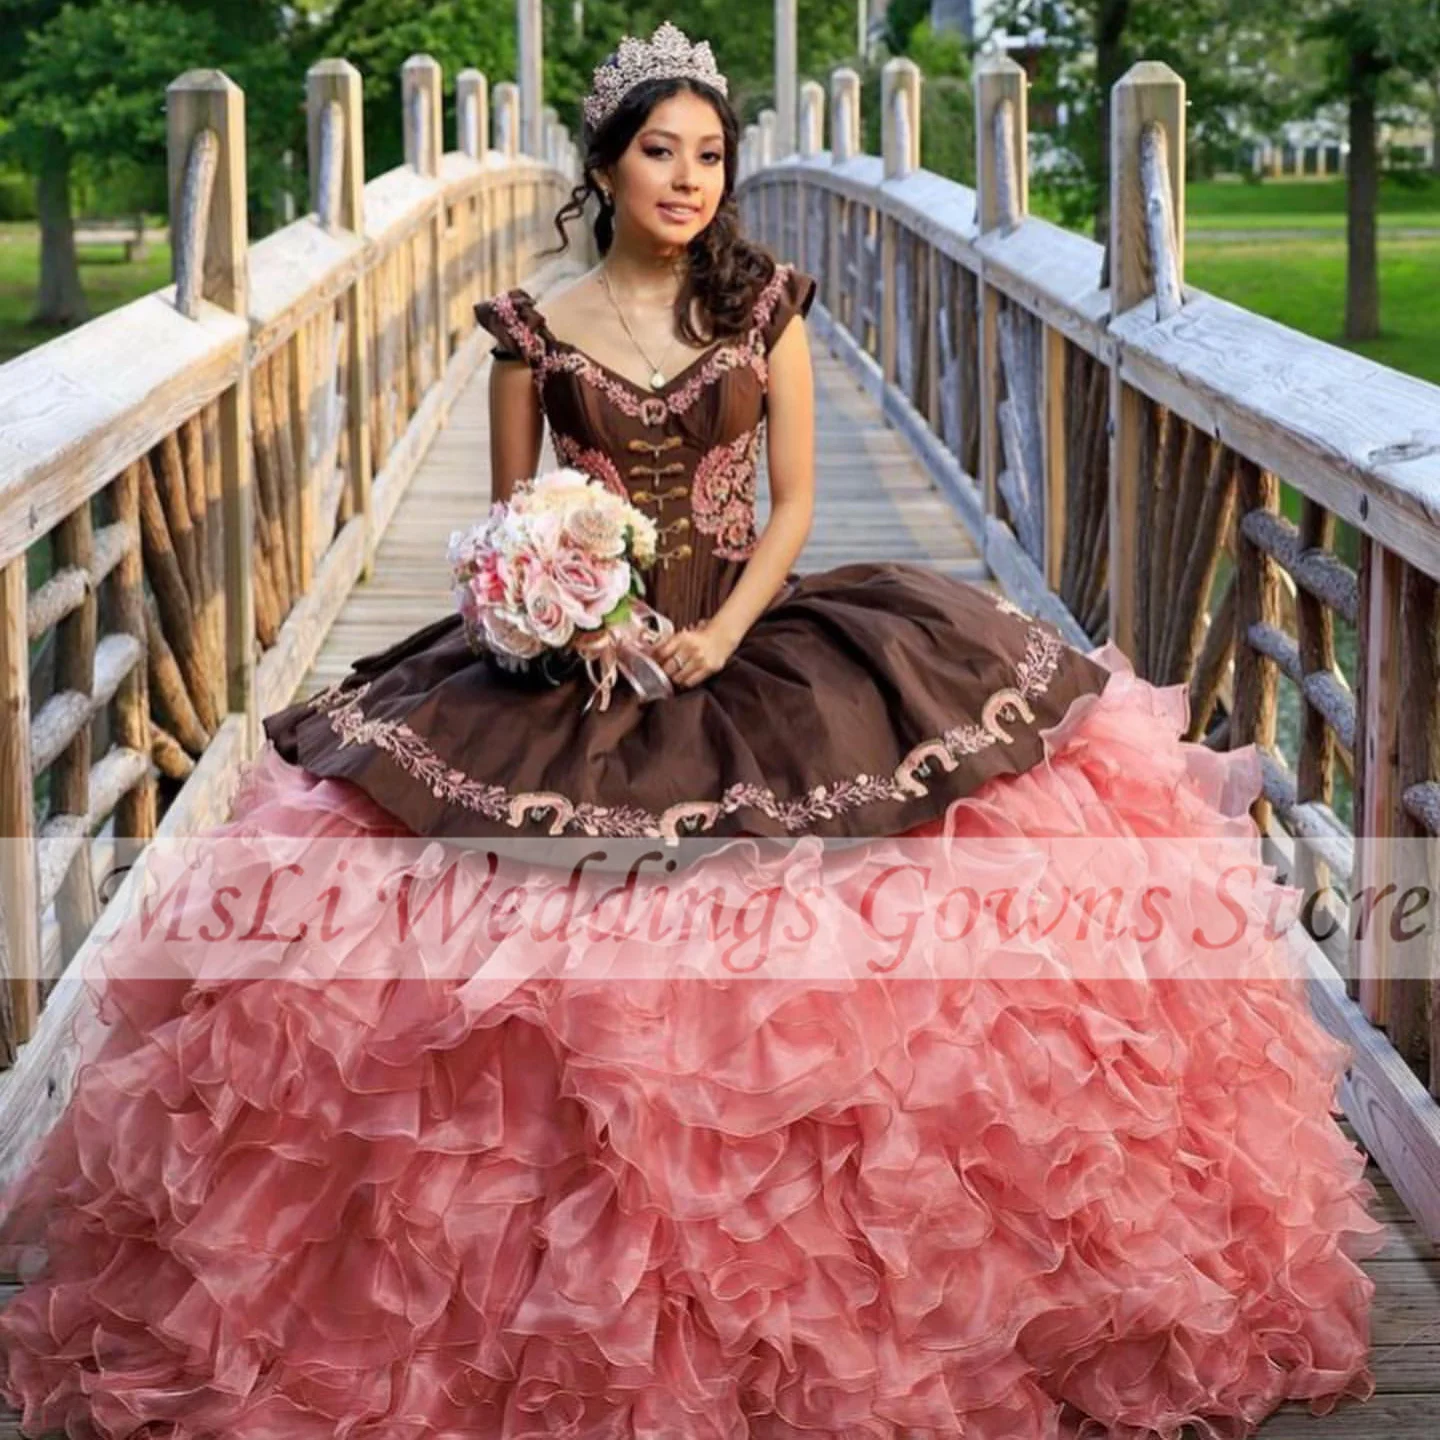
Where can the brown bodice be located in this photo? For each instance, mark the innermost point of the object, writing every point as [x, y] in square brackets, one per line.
[863, 700]
[685, 454]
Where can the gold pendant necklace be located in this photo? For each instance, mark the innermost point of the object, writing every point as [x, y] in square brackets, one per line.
[657, 375]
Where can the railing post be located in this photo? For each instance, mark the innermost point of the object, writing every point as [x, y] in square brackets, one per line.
[503, 225]
[1000, 197]
[785, 63]
[1147, 160]
[507, 119]
[1002, 172]
[900, 83]
[844, 145]
[1147, 142]
[844, 115]
[812, 118]
[529, 21]
[749, 150]
[201, 102]
[472, 114]
[550, 136]
[420, 85]
[19, 875]
[338, 83]
[767, 137]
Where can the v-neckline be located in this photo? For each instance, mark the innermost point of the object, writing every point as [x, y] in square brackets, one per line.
[647, 391]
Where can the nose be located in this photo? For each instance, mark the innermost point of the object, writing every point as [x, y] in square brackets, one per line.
[681, 178]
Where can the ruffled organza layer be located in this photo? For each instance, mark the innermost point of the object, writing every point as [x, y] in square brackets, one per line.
[884, 1205]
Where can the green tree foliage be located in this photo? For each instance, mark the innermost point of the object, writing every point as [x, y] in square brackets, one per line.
[1242, 71]
[83, 83]
[378, 35]
[947, 102]
[1375, 51]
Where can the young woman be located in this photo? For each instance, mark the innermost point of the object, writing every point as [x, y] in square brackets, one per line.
[651, 1191]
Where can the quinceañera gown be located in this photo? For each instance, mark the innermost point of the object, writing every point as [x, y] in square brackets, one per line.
[632, 1184]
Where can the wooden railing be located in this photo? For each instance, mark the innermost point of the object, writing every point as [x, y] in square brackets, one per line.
[198, 478]
[1121, 445]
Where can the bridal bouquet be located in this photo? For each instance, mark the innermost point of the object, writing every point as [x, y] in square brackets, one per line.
[552, 576]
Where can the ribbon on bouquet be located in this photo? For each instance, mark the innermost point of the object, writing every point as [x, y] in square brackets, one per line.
[623, 649]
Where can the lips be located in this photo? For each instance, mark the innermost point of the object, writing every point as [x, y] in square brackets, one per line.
[681, 213]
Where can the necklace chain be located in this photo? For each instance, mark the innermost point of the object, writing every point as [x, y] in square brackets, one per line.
[657, 375]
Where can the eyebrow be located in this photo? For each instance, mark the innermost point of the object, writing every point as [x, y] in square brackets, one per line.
[671, 135]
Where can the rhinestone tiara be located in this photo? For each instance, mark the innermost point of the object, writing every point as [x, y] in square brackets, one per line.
[667, 54]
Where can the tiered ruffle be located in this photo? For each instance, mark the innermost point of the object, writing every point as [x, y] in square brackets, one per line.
[863, 1205]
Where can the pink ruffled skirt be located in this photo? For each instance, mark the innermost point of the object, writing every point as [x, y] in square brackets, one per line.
[1099, 1194]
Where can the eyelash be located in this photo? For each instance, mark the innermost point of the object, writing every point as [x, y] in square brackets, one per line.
[657, 150]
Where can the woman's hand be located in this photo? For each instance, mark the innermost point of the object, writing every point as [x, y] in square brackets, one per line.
[692, 656]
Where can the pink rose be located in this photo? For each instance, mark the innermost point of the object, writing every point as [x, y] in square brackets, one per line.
[508, 633]
[548, 614]
[488, 578]
[590, 588]
[544, 532]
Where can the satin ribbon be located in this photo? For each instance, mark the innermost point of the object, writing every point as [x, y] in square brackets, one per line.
[623, 649]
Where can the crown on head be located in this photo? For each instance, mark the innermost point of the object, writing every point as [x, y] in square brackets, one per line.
[666, 55]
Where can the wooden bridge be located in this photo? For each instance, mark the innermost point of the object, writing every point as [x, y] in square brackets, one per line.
[213, 498]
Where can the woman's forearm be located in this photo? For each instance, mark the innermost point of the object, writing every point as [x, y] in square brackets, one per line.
[774, 556]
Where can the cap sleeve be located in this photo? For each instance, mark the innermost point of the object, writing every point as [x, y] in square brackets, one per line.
[789, 292]
[510, 318]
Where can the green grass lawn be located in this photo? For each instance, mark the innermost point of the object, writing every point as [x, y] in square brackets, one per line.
[1306, 204]
[1301, 283]
[107, 279]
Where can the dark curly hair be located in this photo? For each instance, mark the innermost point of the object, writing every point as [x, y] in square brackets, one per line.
[727, 271]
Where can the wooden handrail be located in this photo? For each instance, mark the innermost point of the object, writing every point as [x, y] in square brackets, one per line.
[239, 439]
[1115, 439]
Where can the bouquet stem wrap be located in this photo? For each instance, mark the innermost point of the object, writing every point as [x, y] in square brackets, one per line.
[623, 649]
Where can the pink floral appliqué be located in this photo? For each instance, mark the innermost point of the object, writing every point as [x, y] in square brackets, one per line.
[530, 345]
[723, 494]
[594, 463]
[654, 410]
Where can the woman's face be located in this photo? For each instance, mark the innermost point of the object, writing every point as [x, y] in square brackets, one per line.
[669, 182]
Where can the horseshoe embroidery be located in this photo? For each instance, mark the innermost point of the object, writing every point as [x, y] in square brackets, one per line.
[917, 762]
[414, 755]
[995, 710]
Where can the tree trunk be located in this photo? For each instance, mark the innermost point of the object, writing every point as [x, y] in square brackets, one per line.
[1435, 125]
[1111, 17]
[61, 301]
[1362, 272]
